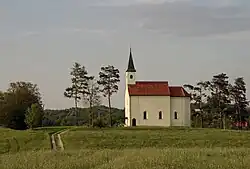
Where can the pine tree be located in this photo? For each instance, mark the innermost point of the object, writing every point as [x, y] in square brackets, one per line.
[238, 94]
[92, 98]
[219, 87]
[79, 83]
[108, 80]
[79, 87]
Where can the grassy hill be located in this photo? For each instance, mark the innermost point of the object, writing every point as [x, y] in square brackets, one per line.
[132, 148]
[122, 138]
[12, 141]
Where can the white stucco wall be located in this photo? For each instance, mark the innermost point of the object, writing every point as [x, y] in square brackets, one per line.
[152, 105]
[127, 108]
[129, 80]
[136, 105]
[182, 106]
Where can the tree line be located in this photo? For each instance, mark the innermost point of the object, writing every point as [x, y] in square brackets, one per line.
[217, 103]
[21, 106]
[64, 117]
[88, 89]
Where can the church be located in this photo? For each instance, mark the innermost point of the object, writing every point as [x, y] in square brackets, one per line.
[154, 103]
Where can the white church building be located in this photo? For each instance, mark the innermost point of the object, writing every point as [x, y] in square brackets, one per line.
[154, 103]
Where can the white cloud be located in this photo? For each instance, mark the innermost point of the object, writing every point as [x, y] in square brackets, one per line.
[101, 32]
[131, 2]
[174, 17]
[30, 33]
[215, 3]
[234, 36]
[186, 19]
[153, 1]
[98, 31]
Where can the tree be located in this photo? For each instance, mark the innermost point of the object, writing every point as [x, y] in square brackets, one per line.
[198, 96]
[1, 96]
[193, 95]
[201, 98]
[33, 116]
[2, 105]
[92, 98]
[191, 91]
[219, 87]
[108, 80]
[238, 94]
[79, 83]
[15, 101]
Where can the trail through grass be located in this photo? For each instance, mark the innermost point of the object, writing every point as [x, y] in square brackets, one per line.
[12, 141]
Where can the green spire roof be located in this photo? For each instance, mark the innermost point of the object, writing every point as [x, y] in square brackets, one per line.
[131, 67]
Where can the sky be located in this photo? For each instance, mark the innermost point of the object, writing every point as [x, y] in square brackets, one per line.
[179, 41]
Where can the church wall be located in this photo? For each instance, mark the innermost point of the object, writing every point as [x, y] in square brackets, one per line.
[130, 77]
[127, 108]
[152, 105]
[181, 105]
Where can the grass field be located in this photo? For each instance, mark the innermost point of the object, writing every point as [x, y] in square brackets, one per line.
[133, 148]
[12, 141]
[154, 137]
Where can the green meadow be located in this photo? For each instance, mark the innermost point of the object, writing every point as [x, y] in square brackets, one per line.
[130, 148]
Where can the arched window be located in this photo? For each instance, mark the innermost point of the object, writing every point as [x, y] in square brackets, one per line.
[131, 76]
[175, 115]
[160, 114]
[144, 115]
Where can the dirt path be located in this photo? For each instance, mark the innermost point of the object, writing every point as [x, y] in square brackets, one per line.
[56, 140]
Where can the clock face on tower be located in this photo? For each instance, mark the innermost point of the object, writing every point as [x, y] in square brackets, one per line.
[131, 76]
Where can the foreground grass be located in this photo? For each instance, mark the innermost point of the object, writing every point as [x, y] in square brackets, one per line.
[154, 137]
[14, 141]
[126, 148]
[146, 158]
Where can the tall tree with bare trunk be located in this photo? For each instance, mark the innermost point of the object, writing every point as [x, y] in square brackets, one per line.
[108, 80]
[79, 85]
[92, 98]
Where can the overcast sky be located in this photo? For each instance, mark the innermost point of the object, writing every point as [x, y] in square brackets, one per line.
[181, 41]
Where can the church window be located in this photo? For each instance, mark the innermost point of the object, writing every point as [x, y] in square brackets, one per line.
[160, 115]
[131, 76]
[144, 115]
[175, 115]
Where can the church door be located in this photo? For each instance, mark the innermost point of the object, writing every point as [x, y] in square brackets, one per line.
[133, 122]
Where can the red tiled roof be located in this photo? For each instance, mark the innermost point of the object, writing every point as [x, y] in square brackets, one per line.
[148, 88]
[154, 88]
[178, 91]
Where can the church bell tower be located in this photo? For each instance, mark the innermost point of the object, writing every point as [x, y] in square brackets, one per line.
[131, 72]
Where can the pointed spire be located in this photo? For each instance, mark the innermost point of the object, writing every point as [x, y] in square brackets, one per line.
[131, 67]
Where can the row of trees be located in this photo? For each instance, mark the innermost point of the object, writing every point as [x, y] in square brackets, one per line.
[63, 117]
[21, 106]
[88, 89]
[217, 103]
